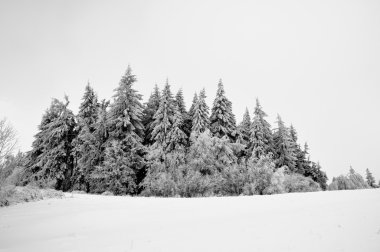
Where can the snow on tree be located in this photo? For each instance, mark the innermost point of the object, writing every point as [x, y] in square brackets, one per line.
[51, 161]
[186, 118]
[244, 128]
[177, 139]
[150, 109]
[370, 179]
[86, 144]
[222, 120]
[118, 173]
[163, 118]
[193, 104]
[201, 114]
[285, 154]
[124, 148]
[180, 102]
[126, 111]
[261, 139]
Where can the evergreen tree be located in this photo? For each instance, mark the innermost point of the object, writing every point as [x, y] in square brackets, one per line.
[163, 118]
[177, 139]
[193, 104]
[261, 139]
[124, 149]
[88, 109]
[150, 109]
[86, 143]
[186, 119]
[285, 154]
[50, 160]
[222, 120]
[180, 102]
[244, 128]
[370, 179]
[126, 111]
[201, 114]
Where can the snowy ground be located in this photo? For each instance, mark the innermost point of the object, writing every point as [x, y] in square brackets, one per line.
[323, 221]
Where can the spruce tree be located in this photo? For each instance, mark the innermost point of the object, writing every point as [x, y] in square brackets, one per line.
[222, 120]
[370, 179]
[51, 160]
[85, 143]
[261, 138]
[201, 114]
[126, 111]
[193, 104]
[150, 109]
[177, 139]
[284, 147]
[186, 119]
[244, 128]
[163, 118]
[180, 102]
[123, 162]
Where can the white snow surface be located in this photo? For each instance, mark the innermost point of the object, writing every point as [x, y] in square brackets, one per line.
[321, 221]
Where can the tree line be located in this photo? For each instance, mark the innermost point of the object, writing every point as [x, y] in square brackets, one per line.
[160, 148]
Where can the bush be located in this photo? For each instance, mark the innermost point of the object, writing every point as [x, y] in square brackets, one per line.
[258, 175]
[351, 181]
[297, 183]
[11, 194]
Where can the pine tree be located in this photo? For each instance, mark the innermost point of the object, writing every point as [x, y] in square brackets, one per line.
[126, 111]
[222, 120]
[193, 104]
[302, 164]
[150, 109]
[177, 139]
[261, 138]
[186, 119]
[88, 109]
[85, 143]
[285, 154]
[124, 149]
[370, 179]
[51, 161]
[201, 114]
[244, 128]
[180, 102]
[163, 118]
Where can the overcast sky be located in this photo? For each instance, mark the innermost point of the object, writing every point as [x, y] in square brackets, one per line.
[316, 63]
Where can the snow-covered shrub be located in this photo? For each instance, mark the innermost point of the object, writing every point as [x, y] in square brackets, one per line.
[258, 175]
[297, 183]
[351, 181]
[277, 184]
[11, 194]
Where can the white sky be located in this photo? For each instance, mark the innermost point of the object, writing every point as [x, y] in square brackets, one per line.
[316, 63]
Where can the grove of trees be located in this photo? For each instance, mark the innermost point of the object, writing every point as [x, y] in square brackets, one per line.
[159, 148]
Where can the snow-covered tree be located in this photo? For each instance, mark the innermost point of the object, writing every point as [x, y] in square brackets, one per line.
[222, 120]
[124, 147]
[201, 114]
[370, 179]
[193, 104]
[186, 118]
[126, 110]
[180, 102]
[177, 139]
[150, 109]
[261, 138]
[285, 154]
[244, 128]
[163, 118]
[51, 161]
[86, 144]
